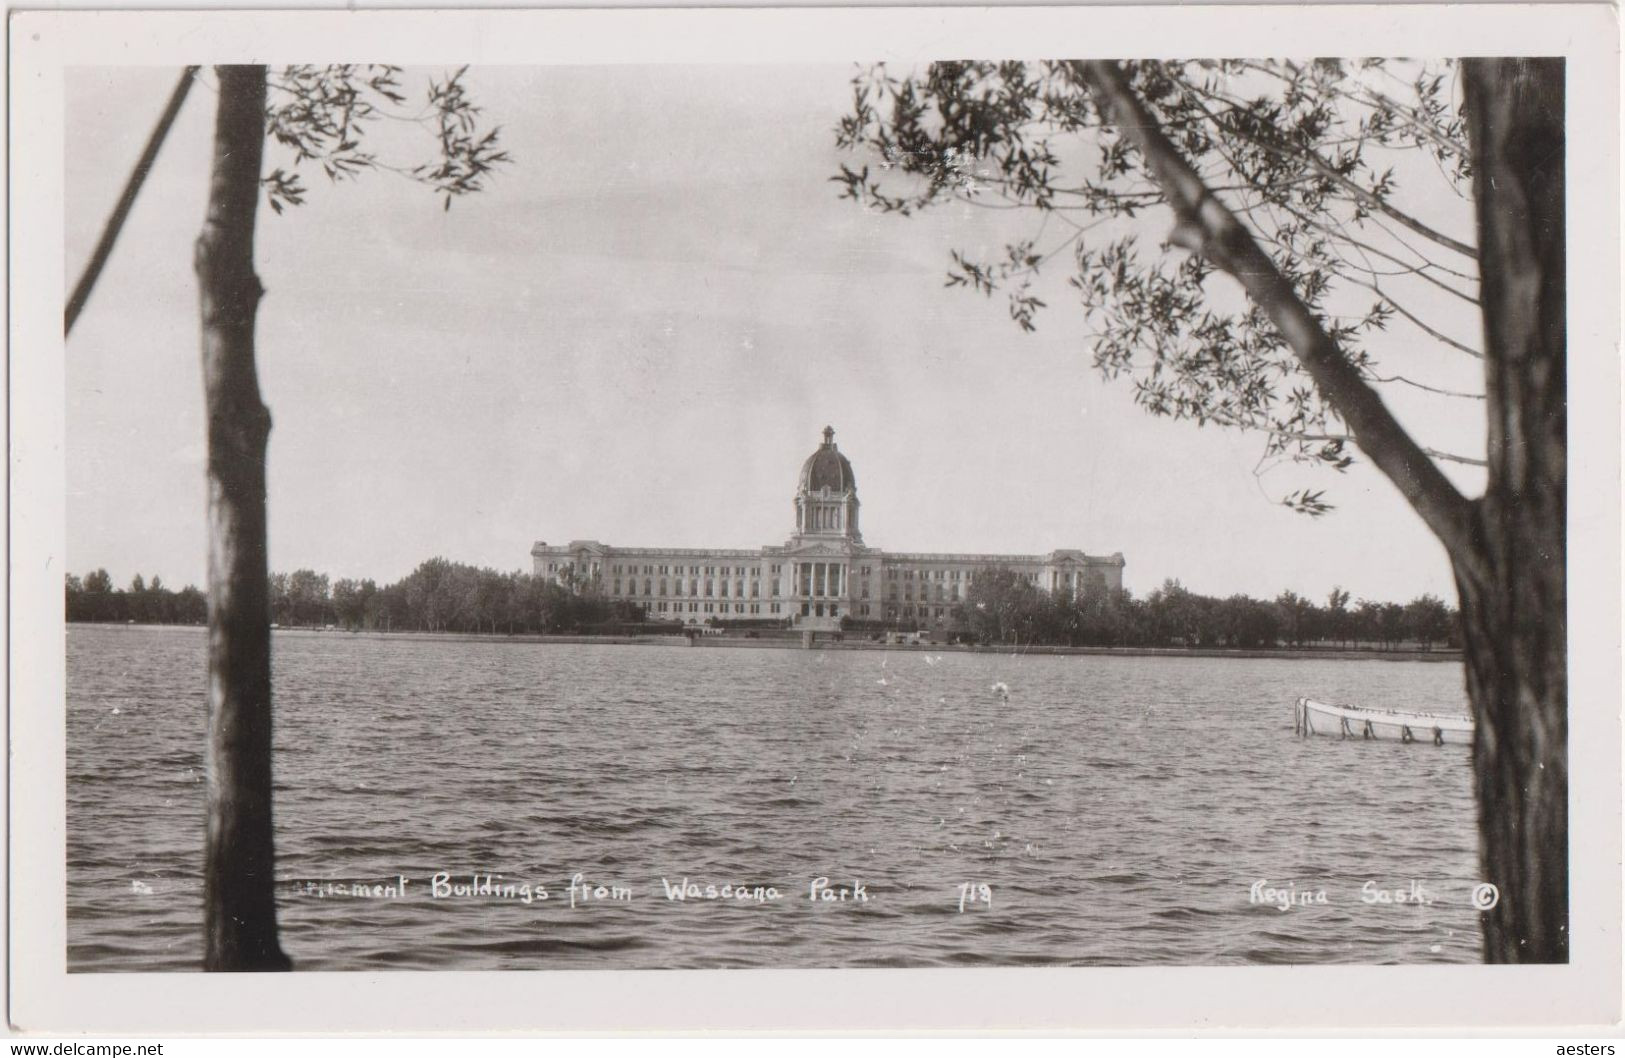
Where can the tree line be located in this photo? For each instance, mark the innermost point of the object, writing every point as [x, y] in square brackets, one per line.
[1001, 607]
[93, 598]
[438, 596]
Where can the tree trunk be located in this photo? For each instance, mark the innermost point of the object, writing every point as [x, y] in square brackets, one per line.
[238, 885]
[1514, 614]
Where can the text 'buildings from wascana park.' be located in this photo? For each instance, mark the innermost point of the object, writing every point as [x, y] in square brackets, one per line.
[823, 573]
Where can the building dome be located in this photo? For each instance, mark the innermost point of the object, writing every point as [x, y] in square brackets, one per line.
[827, 468]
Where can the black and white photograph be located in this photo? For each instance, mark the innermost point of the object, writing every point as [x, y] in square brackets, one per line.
[830, 506]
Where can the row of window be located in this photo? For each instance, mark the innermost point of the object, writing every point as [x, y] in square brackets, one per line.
[944, 592]
[929, 574]
[823, 518]
[912, 611]
[693, 588]
[948, 576]
[715, 607]
[692, 571]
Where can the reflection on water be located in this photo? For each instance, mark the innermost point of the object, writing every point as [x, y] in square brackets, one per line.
[1117, 810]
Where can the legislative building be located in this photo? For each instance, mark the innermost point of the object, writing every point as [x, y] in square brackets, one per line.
[822, 573]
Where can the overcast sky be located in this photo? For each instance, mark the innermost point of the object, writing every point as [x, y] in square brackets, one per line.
[636, 335]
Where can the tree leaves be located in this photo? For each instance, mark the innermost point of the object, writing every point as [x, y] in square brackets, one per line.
[467, 156]
[1305, 502]
[282, 189]
[322, 114]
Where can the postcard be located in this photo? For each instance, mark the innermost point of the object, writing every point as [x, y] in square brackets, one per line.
[815, 519]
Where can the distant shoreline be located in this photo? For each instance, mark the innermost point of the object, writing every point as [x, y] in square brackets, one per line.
[824, 641]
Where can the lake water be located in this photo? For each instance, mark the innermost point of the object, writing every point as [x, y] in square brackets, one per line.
[1119, 810]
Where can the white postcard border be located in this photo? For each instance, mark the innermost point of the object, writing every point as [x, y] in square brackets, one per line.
[43, 996]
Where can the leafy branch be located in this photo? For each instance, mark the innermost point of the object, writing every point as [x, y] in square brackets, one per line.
[322, 114]
[1308, 153]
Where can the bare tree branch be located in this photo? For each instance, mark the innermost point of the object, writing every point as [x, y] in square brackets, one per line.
[1421, 271]
[1403, 311]
[1423, 385]
[1291, 435]
[121, 211]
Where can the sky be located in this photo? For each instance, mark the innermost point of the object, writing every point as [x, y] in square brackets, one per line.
[635, 334]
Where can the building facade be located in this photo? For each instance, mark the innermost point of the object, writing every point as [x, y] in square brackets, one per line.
[823, 573]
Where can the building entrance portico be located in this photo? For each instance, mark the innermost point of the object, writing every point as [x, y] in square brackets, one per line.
[822, 590]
